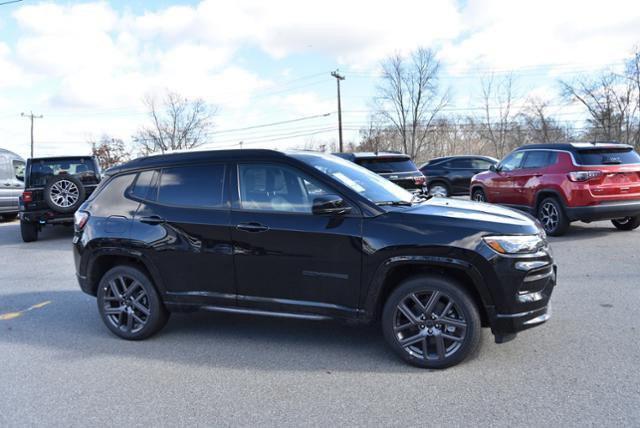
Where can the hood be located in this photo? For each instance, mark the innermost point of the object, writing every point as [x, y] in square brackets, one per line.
[485, 216]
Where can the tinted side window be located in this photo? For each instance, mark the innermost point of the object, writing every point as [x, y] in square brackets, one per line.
[460, 163]
[144, 188]
[512, 161]
[277, 188]
[112, 193]
[536, 159]
[480, 164]
[192, 186]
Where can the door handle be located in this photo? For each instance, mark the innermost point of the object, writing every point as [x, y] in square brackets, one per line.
[252, 227]
[153, 219]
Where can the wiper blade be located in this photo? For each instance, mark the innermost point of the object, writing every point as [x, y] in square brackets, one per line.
[394, 203]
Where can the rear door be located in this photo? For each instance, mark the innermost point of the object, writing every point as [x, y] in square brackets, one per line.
[183, 227]
[460, 172]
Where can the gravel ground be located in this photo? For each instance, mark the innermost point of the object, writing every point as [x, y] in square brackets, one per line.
[60, 366]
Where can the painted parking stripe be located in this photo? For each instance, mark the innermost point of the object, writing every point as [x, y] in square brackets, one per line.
[12, 315]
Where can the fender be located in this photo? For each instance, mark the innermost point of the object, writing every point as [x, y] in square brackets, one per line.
[375, 289]
[129, 253]
[555, 192]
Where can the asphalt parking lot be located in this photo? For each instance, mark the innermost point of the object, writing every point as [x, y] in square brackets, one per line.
[60, 366]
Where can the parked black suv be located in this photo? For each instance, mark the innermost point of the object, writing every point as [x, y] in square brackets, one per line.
[451, 175]
[54, 189]
[307, 235]
[395, 167]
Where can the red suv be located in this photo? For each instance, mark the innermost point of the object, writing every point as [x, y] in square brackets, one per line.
[561, 183]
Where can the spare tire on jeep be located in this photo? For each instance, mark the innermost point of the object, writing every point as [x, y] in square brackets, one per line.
[64, 193]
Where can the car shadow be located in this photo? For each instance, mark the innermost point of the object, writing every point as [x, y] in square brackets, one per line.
[71, 326]
[10, 234]
[580, 231]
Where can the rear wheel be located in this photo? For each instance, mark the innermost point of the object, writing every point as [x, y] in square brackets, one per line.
[29, 231]
[478, 196]
[626, 223]
[552, 217]
[431, 322]
[439, 189]
[9, 217]
[129, 303]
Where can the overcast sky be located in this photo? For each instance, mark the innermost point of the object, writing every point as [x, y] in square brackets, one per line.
[86, 66]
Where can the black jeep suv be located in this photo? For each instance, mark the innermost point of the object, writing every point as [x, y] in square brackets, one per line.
[395, 167]
[54, 189]
[307, 235]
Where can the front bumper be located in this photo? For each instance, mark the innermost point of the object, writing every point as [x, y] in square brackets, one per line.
[606, 211]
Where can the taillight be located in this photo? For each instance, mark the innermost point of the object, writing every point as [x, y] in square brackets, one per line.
[420, 180]
[27, 197]
[584, 175]
[80, 219]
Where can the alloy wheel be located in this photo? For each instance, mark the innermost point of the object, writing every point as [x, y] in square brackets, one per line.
[438, 190]
[549, 216]
[126, 304]
[479, 197]
[429, 325]
[64, 193]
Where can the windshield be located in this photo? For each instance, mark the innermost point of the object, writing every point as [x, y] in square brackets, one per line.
[385, 165]
[359, 179]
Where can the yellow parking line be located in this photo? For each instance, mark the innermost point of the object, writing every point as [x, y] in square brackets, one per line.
[12, 315]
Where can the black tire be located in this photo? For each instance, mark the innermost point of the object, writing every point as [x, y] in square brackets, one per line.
[396, 326]
[9, 217]
[29, 231]
[478, 195]
[552, 216]
[119, 311]
[626, 223]
[442, 189]
[64, 193]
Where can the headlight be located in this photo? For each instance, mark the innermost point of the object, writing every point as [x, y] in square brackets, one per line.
[515, 244]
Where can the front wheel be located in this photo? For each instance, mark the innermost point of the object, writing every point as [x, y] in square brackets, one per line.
[129, 303]
[626, 223]
[439, 189]
[431, 322]
[478, 196]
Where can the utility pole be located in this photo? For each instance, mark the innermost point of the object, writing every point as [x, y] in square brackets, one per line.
[31, 116]
[339, 77]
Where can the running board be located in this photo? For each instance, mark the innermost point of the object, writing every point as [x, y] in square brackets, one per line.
[249, 311]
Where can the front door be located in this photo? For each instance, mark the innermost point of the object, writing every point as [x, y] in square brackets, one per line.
[286, 258]
[505, 189]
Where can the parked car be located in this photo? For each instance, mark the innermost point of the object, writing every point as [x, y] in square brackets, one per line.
[54, 189]
[561, 183]
[395, 167]
[308, 236]
[451, 175]
[11, 183]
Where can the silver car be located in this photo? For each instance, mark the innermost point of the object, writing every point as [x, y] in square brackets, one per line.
[11, 183]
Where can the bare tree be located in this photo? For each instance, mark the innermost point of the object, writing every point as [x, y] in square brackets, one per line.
[497, 97]
[409, 98]
[177, 123]
[609, 102]
[541, 127]
[109, 151]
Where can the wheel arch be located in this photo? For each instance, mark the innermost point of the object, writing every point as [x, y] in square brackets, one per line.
[397, 269]
[542, 194]
[106, 258]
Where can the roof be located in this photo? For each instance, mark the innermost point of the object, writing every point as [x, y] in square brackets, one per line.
[10, 153]
[372, 155]
[156, 161]
[60, 157]
[573, 147]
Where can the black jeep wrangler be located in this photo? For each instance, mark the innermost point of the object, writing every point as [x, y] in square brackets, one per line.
[54, 189]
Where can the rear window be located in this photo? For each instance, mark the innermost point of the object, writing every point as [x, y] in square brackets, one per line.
[384, 165]
[609, 156]
[192, 186]
[42, 170]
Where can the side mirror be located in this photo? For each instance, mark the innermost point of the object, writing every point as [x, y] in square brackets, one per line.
[329, 204]
[493, 168]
